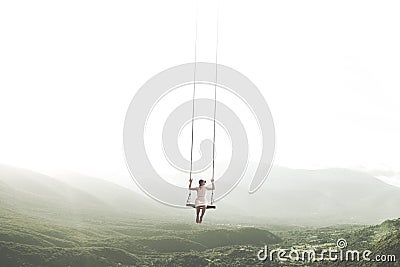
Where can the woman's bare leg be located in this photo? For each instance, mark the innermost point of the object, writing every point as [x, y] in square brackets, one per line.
[197, 214]
[203, 210]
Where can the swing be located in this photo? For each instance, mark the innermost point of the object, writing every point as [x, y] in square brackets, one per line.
[188, 202]
[208, 206]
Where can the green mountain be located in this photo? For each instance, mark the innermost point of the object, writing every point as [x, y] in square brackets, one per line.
[383, 237]
[383, 240]
[389, 244]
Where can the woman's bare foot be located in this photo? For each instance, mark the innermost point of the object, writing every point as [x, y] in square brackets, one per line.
[201, 219]
[197, 219]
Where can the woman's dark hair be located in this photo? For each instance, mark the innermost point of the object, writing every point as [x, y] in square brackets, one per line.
[200, 181]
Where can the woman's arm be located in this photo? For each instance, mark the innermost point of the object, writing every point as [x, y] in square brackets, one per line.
[190, 185]
[212, 185]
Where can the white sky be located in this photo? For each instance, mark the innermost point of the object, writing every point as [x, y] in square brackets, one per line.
[329, 71]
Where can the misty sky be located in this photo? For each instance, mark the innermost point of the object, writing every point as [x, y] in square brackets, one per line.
[329, 71]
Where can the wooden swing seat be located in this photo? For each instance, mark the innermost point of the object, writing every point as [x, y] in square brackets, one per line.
[208, 206]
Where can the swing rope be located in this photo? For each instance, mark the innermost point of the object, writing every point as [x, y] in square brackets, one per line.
[215, 104]
[193, 100]
[193, 108]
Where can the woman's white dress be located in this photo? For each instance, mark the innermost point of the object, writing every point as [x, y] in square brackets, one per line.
[201, 199]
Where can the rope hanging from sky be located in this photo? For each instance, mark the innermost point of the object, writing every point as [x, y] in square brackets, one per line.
[193, 105]
[215, 107]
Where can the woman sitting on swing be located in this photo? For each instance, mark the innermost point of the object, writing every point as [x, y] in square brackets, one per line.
[201, 199]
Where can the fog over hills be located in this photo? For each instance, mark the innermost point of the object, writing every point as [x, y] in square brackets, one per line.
[29, 192]
[289, 196]
[33, 193]
[322, 197]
